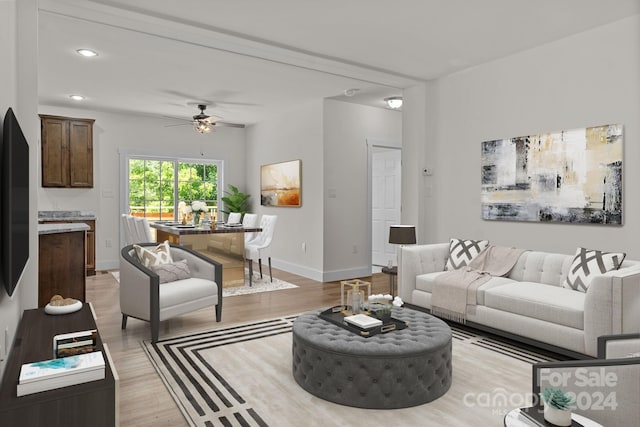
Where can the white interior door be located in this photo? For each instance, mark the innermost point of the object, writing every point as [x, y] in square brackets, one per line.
[385, 202]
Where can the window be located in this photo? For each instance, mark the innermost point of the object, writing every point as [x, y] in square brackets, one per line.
[158, 187]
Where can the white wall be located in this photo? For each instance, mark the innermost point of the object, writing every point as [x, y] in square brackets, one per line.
[18, 33]
[115, 133]
[294, 135]
[346, 128]
[585, 80]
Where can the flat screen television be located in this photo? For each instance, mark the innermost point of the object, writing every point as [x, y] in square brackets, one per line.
[14, 202]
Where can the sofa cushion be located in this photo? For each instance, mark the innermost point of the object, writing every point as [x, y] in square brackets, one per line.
[541, 267]
[544, 302]
[424, 282]
[172, 271]
[462, 252]
[161, 254]
[589, 263]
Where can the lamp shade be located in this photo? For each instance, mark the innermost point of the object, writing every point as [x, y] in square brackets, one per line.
[402, 234]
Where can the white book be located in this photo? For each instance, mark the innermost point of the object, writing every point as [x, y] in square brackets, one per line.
[58, 382]
[363, 321]
[48, 369]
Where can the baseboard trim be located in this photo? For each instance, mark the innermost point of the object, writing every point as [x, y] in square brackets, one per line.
[300, 270]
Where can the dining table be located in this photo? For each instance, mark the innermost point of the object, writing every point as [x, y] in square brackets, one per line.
[222, 242]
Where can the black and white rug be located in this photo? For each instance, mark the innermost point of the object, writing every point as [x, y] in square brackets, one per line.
[241, 376]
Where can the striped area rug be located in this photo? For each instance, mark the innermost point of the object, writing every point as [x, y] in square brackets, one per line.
[241, 376]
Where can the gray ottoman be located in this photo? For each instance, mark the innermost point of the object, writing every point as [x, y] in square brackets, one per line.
[398, 369]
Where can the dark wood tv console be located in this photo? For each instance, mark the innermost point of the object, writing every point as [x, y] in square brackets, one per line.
[90, 404]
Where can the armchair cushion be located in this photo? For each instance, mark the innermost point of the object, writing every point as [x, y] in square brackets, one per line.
[161, 254]
[172, 271]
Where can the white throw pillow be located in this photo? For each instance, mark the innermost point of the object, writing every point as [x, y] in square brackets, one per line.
[589, 263]
[172, 271]
[462, 252]
[161, 254]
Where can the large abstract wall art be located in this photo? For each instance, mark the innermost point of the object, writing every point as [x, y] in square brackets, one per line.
[571, 176]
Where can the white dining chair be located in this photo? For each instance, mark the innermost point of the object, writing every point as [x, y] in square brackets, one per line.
[234, 218]
[143, 230]
[126, 230]
[260, 247]
[249, 221]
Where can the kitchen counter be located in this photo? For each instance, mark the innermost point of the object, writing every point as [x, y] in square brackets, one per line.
[62, 228]
[65, 216]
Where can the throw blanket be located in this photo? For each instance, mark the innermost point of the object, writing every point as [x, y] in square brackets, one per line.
[455, 291]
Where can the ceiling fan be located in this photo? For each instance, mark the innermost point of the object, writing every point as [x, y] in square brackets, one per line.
[204, 123]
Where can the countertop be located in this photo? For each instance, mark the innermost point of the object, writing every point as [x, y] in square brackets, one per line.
[61, 228]
[65, 216]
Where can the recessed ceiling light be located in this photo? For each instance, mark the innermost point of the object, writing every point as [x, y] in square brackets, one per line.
[394, 102]
[87, 52]
[76, 97]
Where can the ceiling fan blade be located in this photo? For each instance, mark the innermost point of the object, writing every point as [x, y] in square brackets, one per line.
[230, 125]
[212, 119]
[178, 124]
[177, 118]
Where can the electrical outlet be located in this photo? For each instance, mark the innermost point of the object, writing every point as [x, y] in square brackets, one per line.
[304, 247]
[108, 243]
[355, 249]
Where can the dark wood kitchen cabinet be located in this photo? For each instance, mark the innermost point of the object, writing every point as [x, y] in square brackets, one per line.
[67, 151]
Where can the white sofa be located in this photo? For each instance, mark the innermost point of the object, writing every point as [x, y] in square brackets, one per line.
[530, 303]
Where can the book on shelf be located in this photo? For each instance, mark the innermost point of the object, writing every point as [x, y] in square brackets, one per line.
[363, 321]
[55, 373]
[74, 343]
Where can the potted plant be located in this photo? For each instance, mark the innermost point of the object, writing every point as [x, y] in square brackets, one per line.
[557, 406]
[235, 201]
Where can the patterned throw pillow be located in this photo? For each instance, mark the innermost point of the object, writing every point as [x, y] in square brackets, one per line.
[161, 254]
[588, 263]
[461, 252]
[172, 271]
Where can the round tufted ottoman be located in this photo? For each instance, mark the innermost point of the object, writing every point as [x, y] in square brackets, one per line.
[398, 369]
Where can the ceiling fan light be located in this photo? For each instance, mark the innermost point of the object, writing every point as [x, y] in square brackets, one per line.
[202, 126]
[394, 102]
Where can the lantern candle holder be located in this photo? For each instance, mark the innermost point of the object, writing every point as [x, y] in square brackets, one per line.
[353, 295]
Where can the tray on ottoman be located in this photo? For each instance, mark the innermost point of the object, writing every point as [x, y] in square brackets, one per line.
[336, 316]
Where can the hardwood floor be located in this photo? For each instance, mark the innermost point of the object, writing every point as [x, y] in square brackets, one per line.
[143, 398]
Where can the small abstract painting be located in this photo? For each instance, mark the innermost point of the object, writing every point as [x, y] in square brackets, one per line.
[572, 176]
[280, 184]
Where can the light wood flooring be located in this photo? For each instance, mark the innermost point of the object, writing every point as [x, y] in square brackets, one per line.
[143, 398]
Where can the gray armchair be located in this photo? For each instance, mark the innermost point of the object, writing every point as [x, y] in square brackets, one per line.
[607, 389]
[142, 296]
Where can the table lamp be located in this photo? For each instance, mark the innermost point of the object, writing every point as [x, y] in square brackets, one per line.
[402, 234]
[399, 235]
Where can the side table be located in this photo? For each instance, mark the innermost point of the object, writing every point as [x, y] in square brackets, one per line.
[391, 271]
[516, 419]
